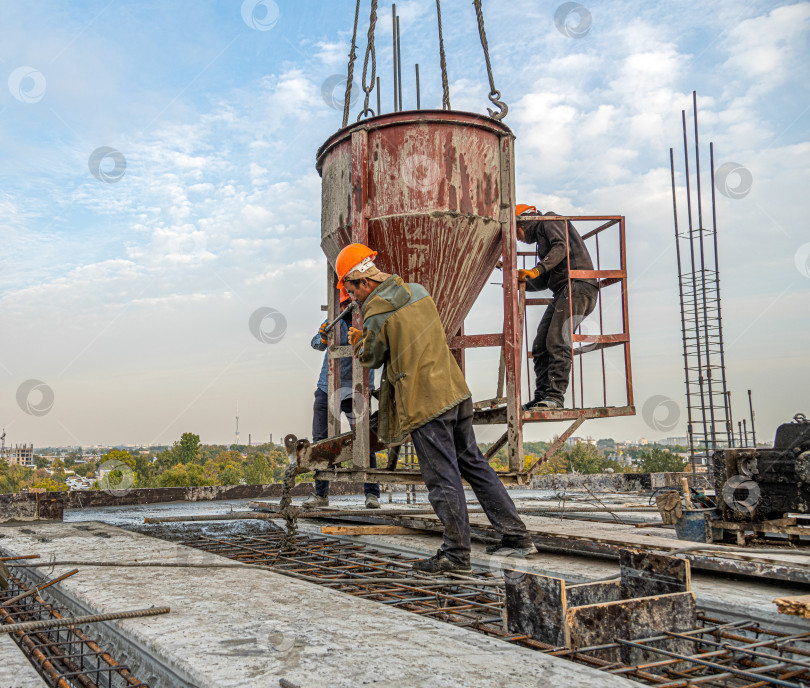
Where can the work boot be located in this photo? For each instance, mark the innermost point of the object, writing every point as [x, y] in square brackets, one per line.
[440, 563]
[372, 501]
[510, 544]
[541, 404]
[315, 501]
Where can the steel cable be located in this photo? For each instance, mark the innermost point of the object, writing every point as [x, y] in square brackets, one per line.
[445, 87]
[369, 51]
[350, 77]
[494, 94]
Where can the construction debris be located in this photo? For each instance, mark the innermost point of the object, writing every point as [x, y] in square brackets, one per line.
[795, 606]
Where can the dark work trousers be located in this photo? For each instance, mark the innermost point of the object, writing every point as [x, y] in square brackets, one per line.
[448, 452]
[551, 350]
[320, 431]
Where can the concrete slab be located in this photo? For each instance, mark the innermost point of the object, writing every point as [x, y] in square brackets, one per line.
[15, 669]
[232, 627]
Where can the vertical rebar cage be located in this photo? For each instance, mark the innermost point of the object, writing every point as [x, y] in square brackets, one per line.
[708, 402]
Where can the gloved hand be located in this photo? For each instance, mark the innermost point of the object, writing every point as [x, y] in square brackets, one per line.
[355, 336]
[524, 275]
[322, 332]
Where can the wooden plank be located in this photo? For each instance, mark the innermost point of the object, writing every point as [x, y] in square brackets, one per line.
[584, 594]
[764, 527]
[600, 624]
[797, 605]
[535, 606]
[644, 574]
[368, 530]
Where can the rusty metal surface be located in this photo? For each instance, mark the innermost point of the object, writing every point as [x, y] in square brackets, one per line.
[432, 201]
[497, 416]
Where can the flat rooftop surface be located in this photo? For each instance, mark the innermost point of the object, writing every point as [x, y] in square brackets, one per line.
[247, 627]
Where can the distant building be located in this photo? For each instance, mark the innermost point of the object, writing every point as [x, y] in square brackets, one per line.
[674, 442]
[18, 455]
[572, 441]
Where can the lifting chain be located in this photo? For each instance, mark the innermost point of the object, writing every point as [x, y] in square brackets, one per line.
[350, 77]
[494, 94]
[445, 87]
[367, 111]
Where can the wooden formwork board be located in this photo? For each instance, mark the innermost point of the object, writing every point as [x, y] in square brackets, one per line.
[595, 614]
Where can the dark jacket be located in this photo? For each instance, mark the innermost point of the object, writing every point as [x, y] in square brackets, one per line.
[421, 379]
[551, 253]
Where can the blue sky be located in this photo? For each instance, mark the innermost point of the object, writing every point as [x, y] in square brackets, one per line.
[131, 299]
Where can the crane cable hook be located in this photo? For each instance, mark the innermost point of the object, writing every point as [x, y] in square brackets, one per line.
[367, 111]
[494, 94]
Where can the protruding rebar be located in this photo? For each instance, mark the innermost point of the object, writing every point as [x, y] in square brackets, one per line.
[379, 102]
[683, 315]
[418, 100]
[394, 33]
[729, 421]
[399, 63]
[753, 430]
[694, 284]
[27, 626]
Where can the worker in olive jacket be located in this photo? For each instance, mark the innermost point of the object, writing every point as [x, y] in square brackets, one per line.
[423, 393]
[551, 350]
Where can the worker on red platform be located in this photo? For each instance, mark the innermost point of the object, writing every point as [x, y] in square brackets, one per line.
[551, 350]
[423, 393]
[320, 409]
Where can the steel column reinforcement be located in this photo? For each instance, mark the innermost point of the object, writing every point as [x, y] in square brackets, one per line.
[734, 655]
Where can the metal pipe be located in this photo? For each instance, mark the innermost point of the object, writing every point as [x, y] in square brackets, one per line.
[352, 305]
[394, 33]
[27, 626]
[399, 64]
[418, 101]
[379, 103]
[745, 431]
[753, 430]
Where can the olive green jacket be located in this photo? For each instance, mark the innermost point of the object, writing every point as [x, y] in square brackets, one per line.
[421, 379]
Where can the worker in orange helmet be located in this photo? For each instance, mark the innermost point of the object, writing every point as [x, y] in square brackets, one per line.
[423, 393]
[551, 350]
[320, 408]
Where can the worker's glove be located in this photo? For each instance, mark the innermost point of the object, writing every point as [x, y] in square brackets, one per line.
[322, 332]
[524, 275]
[355, 336]
[669, 506]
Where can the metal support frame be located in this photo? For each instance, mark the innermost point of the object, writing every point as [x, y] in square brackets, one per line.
[361, 406]
[506, 407]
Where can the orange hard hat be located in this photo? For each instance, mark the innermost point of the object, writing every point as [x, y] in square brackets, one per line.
[344, 295]
[521, 208]
[349, 258]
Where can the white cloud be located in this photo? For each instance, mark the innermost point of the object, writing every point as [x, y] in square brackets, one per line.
[773, 46]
